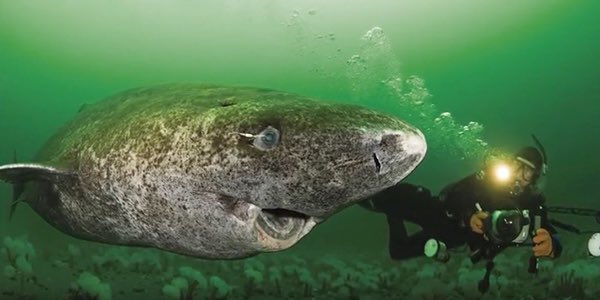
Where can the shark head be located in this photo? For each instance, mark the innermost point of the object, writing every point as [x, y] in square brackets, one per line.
[291, 162]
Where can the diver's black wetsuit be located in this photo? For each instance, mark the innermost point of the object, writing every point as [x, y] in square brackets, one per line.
[447, 216]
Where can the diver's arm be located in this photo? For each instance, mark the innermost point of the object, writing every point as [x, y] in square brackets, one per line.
[461, 199]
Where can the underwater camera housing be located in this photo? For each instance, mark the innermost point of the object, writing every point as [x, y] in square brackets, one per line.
[505, 228]
[508, 226]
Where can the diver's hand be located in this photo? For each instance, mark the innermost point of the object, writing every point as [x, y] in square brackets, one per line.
[477, 221]
[542, 242]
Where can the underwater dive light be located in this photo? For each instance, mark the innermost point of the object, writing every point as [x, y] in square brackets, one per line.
[594, 245]
[502, 172]
[437, 250]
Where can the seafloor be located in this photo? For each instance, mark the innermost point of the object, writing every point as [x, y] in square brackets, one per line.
[89, 271]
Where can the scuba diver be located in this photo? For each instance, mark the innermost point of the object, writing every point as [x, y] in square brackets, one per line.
[489, 210]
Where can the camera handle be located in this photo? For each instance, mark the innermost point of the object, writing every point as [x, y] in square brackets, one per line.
[488, 252]
[533, 260]
[484, 284]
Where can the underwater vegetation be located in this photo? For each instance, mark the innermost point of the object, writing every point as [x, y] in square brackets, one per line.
[87, 271]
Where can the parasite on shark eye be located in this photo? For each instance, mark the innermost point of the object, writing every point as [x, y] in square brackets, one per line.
[267, 139]
[248, 135]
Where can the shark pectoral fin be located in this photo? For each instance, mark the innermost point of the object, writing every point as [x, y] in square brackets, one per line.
[19, 174]
[17, 190]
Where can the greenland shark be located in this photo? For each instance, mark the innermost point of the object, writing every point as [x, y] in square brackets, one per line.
[213, 172]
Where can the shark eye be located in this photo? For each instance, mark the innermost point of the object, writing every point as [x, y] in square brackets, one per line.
[267, 139]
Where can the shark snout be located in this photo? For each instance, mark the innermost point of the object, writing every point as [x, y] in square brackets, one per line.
[398, 150]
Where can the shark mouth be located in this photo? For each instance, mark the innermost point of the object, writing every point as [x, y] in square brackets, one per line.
[282, 224]
[276, 228]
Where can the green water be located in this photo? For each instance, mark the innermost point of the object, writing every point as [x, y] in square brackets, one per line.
[512, 67]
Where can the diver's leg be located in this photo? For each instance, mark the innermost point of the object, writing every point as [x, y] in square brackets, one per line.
[379, 202]
[404, 246]
[398, 200]
[397, 236]
[405, 202]
[427, 212]
[409, 247]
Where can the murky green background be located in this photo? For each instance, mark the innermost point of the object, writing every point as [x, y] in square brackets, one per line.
[513, 67]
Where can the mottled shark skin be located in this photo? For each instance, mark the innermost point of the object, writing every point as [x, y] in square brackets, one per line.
[177, 167]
